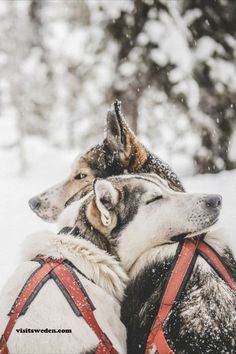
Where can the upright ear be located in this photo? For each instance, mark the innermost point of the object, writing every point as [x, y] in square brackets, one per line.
[116, 129]
[122, 142]
[106, 198]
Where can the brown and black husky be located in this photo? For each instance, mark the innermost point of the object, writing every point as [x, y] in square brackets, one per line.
[119, 152]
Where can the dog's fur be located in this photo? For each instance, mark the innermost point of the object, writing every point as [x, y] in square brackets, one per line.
[120, 151]
[104, 282]
[141, 217]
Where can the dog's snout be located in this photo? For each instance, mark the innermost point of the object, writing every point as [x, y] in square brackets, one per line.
[34, 203]
[214, 201]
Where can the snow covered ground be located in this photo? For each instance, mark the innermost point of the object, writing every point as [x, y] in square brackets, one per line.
[49, 166]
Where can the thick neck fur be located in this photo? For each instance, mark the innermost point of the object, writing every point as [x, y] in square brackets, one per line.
[154, 164]
[162, 252]
[203, 320]
[82, 228]
[103, 269]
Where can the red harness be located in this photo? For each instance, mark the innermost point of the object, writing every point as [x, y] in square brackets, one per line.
[185, 261]
[62, 273]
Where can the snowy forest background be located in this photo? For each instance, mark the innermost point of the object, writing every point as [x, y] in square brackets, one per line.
[172, 63]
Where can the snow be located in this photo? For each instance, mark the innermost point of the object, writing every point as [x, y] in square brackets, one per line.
[17, 220]
[49, 165]
[164, 34]
[72, 68]
[223, 72]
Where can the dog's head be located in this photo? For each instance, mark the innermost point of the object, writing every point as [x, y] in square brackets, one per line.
[138, 212]
[111, 157]
[120, 151]
[93, 164]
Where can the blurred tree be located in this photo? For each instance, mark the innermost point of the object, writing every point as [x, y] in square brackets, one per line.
[77, 47]
[146, 59]
[40, 95]
[214, 30]
[15, 48]
[171, 63]
[136, 67]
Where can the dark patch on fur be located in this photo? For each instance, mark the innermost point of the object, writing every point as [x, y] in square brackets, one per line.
[65, 230]
[91, 351]
[129, 201]
[142, 300]
[217, 339]
[113, 164]
[141, 303]
[178, 238]
[154, 164]
[117, 107]
[103, 162]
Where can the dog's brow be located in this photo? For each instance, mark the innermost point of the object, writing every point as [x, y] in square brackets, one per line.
[159, 181]
[153, 182]
[144, 178]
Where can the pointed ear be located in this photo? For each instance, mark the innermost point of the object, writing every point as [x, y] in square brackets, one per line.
[122, 142]
[106, 198]
[116, 128]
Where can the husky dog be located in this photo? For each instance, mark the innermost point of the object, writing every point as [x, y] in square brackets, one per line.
[120, 151]
[101, 276]
[143, 219]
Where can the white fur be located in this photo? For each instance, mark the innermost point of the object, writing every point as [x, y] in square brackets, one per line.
[218, 239]
[215, 238]
[159, 253]
[69, 215]
[51, 310]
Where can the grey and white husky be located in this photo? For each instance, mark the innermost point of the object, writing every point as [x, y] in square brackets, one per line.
[142, 219]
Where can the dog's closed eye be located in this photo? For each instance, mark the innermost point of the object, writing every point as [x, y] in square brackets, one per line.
[80, 176]
[154, 199]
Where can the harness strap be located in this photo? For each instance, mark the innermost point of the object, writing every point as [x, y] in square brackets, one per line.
[26, 292]
[56, 267]
[185, 262]
[81, 302]
[157, 337]
[212, 257]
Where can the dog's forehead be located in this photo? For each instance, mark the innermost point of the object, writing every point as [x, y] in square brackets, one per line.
[93, 159]
[90, 154]
[81, 163]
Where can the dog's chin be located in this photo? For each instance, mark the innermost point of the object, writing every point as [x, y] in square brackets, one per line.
[48, 219]
[191, 234]
[211, 227]
[52, 219]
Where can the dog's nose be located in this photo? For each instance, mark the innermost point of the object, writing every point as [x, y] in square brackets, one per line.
[34, 203]
[214, 201]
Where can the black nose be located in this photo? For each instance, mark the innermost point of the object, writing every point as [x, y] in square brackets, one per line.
[34, 203]
[214, 201]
